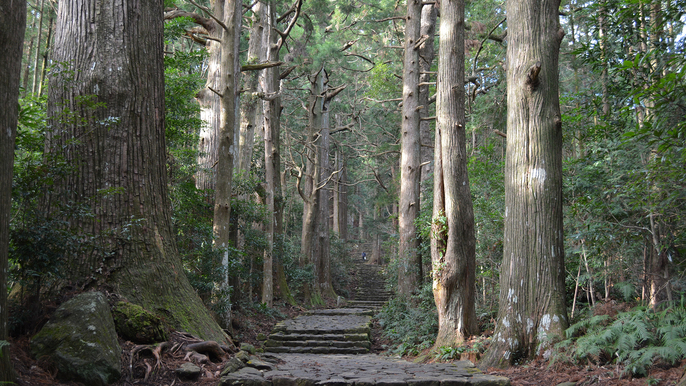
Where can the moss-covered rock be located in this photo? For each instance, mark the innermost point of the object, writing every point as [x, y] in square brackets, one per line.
[136, 324]
[80, 340]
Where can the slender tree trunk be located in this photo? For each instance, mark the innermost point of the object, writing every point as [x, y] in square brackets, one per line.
[532, 304]
[46, 54]
[426, 58]
[12, 26]
[324, 208]
[29, 55]
[453, 243]
[113, 52]
[251, 111]
[409, 273]
[309, 252]
[229, 100]
[36, 73]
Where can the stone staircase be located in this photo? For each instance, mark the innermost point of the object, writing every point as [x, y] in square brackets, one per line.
[371, 290]
[334, 331]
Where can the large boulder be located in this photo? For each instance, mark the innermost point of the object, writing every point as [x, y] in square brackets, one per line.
[80, 340]
[136, 324]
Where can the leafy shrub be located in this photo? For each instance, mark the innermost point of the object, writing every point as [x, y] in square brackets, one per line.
[636, 339]
[411, 324]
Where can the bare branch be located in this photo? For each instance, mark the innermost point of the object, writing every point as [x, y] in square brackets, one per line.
[210, 14]
[260, 66]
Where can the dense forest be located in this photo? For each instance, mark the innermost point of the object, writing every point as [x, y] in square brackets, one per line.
[517, 167]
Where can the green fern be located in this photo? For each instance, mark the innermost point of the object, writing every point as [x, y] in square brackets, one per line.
[634, 339]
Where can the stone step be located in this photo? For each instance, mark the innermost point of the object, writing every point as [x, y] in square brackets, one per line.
[340, 337]
[318, 343]
[318, 350]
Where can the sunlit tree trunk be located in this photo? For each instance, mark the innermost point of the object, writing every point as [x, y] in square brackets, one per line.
[12, 26]
[453, 242]
[409, 267]
[532, 287]
[112, 53]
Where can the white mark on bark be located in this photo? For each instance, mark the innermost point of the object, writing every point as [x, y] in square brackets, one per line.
[506, 323]
[538, 174]
[96, 89]
[529, 325]
[506, 210]
[9, 132]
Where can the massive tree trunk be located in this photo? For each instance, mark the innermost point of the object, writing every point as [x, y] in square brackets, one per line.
[409, 272]
[113, 55]
[532, 287]
[12, 25]
[453, 244]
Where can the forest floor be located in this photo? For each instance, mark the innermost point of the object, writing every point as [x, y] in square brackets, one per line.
[250, 323]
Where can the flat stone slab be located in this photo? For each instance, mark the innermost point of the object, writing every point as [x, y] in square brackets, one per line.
[363, 370]
[326, 324]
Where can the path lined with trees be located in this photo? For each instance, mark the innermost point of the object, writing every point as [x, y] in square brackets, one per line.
[514, 166]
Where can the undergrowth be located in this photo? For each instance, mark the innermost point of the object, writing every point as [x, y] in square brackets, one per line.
[637, 339]
[410, 324]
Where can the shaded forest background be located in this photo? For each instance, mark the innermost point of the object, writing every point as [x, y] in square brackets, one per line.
[623, 104]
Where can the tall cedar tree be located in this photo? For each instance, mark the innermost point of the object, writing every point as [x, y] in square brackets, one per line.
[453, 243]
[111, 53]
[12, 24]
[409, 272]
[532, 280]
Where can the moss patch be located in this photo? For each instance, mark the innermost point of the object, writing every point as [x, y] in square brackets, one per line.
[136, 324]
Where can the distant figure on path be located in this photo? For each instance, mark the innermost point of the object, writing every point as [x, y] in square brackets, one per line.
[364, 256]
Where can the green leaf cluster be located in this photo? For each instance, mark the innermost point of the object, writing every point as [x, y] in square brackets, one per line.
[637, 339]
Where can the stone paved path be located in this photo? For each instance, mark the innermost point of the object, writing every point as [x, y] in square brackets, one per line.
[319, 347]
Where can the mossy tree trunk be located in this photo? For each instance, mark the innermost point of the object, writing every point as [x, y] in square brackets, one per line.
[112, 86]
[12, 25]
[453, 242]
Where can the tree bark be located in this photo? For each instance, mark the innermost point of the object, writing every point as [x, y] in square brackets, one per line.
[409, 272]
[453, 243]
[251, 111]
[532, 288]
[12, 26]
[210, 104]
[113, 52]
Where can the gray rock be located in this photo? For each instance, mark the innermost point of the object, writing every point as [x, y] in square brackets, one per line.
[259, 364]
[81, 341]
[188, 371]
[233, 365]
[243, 356]
[247, 376]
[248, 347]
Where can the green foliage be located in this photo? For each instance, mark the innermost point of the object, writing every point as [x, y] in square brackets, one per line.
[636, 339]
[341, 264]
[410, 324]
